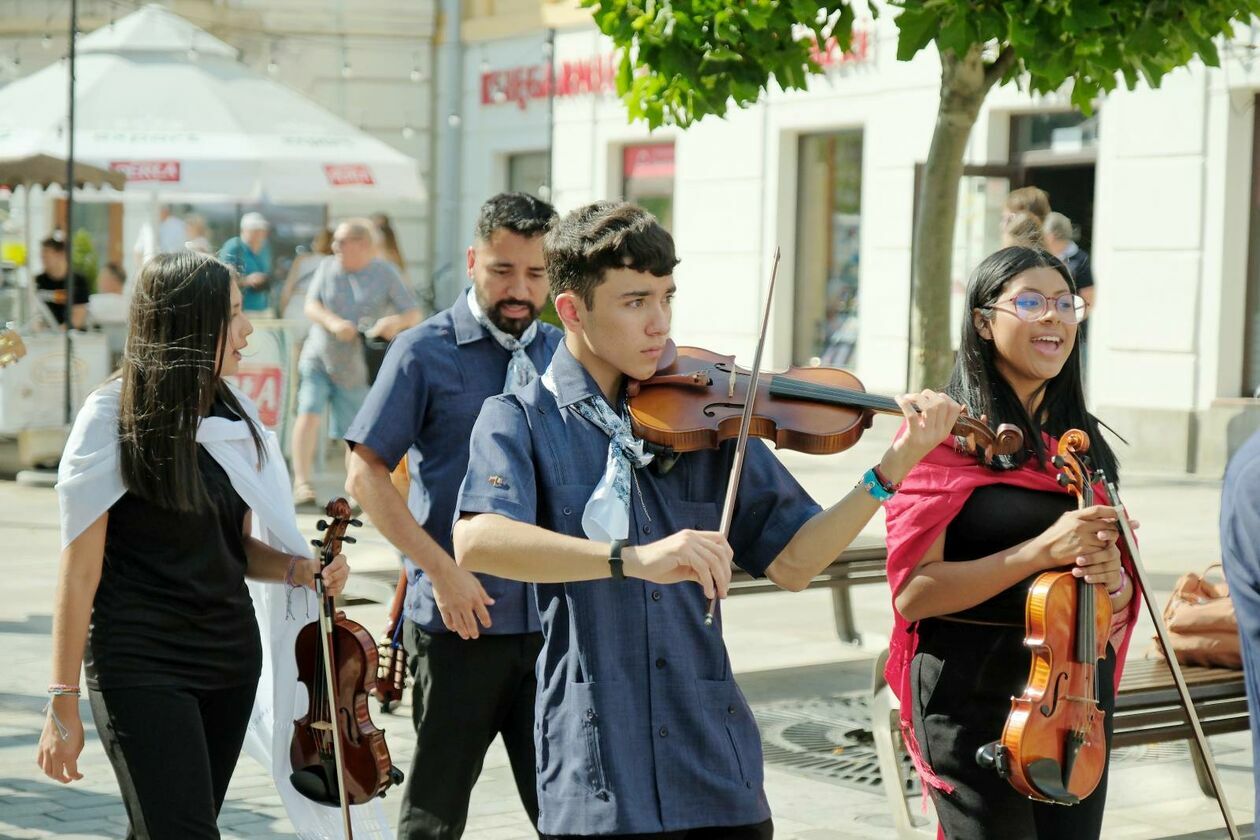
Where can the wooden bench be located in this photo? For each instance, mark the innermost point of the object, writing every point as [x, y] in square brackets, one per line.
[1148, 710]
[862, 562]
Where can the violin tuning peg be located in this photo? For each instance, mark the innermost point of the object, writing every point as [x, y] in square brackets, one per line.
[317, 543]
[356, 523]
[321, 525]
[1058, 461]
[1064, 481]
[350, 540]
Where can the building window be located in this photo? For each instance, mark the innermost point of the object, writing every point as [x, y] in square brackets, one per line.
[647, 172]
[828, 222]
[527, 173]
[1251, 350]
[1061, 133]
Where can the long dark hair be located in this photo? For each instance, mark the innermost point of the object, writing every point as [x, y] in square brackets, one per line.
[977, 384]
[180, 312]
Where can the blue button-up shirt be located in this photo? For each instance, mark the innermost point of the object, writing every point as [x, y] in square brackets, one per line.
[640, 726]
[427, 394]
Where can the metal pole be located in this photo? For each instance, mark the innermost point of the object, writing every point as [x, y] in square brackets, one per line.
[550, 50]
[74, 25]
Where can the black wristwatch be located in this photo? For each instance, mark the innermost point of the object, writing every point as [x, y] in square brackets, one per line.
[614, 560]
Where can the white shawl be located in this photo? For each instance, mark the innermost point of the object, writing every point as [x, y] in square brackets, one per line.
[90, 482]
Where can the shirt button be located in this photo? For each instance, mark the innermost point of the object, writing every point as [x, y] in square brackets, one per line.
[603, 795]
[656, 594]
[664, 732]
[748, 785]
[568, 511]
[730, 710]
[660, 663]
[647, 529]
[590, 714]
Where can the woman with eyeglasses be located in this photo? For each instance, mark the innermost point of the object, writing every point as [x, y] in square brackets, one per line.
[966, 541]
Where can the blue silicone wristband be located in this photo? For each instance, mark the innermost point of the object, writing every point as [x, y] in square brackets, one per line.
[871, 483]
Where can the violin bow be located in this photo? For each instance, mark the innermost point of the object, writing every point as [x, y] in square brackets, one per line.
[1169, 655]
[745, 421]
[322, 549]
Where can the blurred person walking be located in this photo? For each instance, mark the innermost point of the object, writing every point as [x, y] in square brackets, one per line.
[1058, 240]
[353, 295]
[250, 255]
[52, 285]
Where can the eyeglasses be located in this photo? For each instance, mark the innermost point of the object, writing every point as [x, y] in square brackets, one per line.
[1031, 305]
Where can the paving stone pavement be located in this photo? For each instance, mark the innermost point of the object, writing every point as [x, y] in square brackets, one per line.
[782, 646]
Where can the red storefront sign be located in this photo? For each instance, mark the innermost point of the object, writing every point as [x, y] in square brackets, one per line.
[147, 170]
[348, 174]
[522, 85]
[830, 55]
[263, 385]
[648, 160]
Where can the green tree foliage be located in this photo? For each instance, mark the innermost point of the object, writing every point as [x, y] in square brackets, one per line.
[86, 261]
[682, 60]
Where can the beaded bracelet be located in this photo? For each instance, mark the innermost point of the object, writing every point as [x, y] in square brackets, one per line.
[288, 576]
[63, 689]
[1124, 577]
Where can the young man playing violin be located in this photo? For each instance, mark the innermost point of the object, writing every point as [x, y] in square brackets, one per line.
[641, 729]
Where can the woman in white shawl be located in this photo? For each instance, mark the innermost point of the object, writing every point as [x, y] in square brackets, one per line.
[155, 490]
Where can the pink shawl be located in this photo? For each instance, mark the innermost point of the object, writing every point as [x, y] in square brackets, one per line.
[930, 497]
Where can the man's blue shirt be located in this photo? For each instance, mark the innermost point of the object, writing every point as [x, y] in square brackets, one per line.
[427, 394]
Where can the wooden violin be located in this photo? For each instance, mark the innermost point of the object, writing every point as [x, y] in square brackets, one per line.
[1054, 747]
[391, 674]
[339, 757]
[697, 398]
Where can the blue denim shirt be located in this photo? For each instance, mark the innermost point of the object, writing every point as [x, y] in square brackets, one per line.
[427, 394]
[640, 727]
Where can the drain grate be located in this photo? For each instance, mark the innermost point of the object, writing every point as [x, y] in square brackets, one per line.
[826, 738]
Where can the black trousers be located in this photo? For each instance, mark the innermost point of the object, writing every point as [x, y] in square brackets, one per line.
[173, 751]
[962, 679]
[466, 692]
[760, 831]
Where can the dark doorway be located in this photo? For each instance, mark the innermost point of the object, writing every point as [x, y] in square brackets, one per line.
[1071, 190]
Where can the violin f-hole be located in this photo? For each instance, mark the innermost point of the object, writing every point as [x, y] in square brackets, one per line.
[1059, 678]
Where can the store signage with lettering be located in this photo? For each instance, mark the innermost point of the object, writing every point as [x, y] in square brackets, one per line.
[521, 85]
[147, 170]
[830, 56]
[348, 175]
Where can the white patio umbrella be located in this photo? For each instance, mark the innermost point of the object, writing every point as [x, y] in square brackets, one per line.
[169, 105]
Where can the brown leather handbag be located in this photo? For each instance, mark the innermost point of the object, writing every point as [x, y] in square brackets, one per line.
[1201, 622]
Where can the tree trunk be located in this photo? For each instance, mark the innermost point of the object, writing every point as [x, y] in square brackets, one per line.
[964, 84]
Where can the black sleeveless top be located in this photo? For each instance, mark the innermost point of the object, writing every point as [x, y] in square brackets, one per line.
[995, 518]
[172, 608]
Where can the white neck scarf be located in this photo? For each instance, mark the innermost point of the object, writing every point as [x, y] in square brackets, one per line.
[521, 370]
[606, 516]
[89, 481]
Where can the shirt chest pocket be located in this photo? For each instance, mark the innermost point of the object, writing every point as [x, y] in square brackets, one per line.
[698, 516]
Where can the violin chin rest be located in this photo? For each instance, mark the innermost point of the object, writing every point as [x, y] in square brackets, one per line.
[1047, 777]
[313, 784]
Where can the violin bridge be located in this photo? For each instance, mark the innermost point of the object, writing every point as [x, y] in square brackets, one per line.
[322, 725]
[730, 385]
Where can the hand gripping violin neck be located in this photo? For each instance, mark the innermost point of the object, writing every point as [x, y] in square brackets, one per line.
[339, 757]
